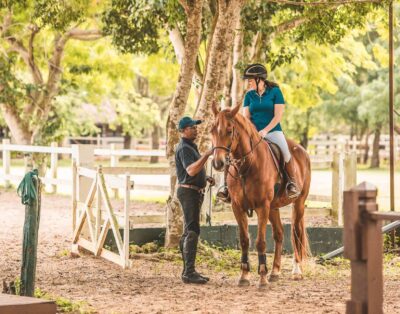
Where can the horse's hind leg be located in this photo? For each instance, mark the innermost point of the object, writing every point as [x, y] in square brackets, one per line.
[277, 230]
[262, 214]
[299, 238]
[241, 218]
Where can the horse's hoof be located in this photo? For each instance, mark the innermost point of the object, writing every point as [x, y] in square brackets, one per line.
[297, 277]
[243, 282]
[273, 277]
[262, 284]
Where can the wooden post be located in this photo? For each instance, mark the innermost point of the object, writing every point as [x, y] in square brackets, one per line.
[126, 219]
[113, 163]
[6, 163]
[53, 167]
[337, 187]
[205, 208]
[74, 194]
[362, 240]
[350, 170]
[82, 156]
[30, 241]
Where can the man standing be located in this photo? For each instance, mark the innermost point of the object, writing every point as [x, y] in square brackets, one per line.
[192, 182]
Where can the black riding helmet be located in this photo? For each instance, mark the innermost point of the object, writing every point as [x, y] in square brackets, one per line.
[254, 71]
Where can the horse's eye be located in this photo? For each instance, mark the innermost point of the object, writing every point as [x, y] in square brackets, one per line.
[229, 132]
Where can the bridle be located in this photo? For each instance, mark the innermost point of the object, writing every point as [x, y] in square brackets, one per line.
[237, 163]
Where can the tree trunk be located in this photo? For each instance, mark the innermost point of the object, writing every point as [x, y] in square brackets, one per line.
[127, 141]
[304, 135]
[375, 147]
[227, 100]
[155, 142]
[237, 82]
[221, 49]
[366, 148]
[177, 109]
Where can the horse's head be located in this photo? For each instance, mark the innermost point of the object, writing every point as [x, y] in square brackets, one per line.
[223, 134]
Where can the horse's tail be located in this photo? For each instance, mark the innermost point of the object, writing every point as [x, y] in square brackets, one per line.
[300, 243]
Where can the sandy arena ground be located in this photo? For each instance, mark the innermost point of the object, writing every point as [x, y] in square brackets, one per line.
[153, 286]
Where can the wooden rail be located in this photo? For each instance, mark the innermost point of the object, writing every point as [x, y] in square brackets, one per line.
[363, 246]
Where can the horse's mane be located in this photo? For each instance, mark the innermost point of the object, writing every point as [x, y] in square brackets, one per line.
[243, 123]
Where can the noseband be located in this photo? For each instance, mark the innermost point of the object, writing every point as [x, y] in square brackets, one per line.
[237, 163]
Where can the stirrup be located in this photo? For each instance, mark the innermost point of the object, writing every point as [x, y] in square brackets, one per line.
[223, 193]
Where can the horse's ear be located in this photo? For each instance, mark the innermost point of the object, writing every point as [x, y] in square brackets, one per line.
[235, 110]
[214, 107]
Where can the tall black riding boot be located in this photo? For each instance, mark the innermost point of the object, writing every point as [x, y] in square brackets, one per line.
[291, 187]
[181, 241]
[189, 251]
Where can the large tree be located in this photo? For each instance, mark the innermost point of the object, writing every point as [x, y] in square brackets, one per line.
[33, 37]
[232, 33]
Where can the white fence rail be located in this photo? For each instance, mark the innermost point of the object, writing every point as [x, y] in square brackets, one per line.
[343, 167]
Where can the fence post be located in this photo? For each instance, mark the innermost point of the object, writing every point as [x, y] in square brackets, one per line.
[362, 240]
[350, 170]
[114, 163]
[6, 163]
[53, 167]
[337, 187]
[206, 208]
[126, 219]
[82, 156]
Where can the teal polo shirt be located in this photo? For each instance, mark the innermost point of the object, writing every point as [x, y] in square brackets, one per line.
[262, 107]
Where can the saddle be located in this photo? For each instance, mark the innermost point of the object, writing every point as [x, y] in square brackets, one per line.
[279, 162]
[277, 157]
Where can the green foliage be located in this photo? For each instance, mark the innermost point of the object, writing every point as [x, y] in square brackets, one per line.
[60, 14]
[65, 305]
[134, 25]
[13, 89]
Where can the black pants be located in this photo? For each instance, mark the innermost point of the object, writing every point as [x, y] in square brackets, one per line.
[191, 201]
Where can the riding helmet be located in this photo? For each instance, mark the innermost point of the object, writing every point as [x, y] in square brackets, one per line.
[255, 71]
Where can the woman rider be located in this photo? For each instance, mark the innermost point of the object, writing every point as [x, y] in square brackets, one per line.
[264, 106]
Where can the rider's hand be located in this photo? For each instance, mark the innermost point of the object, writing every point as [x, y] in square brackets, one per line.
[263, 133]
[211, 180]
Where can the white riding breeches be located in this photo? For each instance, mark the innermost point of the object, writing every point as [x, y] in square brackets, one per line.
[278, 138]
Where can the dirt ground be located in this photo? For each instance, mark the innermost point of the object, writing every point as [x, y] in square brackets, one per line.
[152, 286]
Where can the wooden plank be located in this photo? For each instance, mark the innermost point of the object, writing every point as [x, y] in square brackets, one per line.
[111, 216]
[129, 152]
[86, 172]
[126, 218]
[384, 215]
[12, 304]
[136, 170]
[102, 237]
[319, 198]
[217, 217]
[116, 182]
[37, 149]
[351, 225]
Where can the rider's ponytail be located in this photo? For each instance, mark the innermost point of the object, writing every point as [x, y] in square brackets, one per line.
[269, 84]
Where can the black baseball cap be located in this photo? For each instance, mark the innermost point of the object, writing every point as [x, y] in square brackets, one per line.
[187, 121]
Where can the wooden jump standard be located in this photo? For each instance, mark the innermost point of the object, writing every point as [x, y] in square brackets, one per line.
[363, 246]
[90, 185]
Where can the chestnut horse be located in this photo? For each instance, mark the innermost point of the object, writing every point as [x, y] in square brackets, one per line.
[252, 182]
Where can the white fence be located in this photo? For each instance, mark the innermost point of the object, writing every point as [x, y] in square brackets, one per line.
[343, 167]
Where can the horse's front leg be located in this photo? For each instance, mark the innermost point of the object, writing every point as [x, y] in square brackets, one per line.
[241, 219]
[262, 213]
